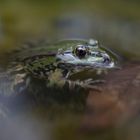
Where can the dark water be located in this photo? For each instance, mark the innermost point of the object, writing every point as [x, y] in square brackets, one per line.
[57, 114]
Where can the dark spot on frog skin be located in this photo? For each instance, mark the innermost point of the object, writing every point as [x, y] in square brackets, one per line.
[36, 72]
[30, 64]
[50, 67]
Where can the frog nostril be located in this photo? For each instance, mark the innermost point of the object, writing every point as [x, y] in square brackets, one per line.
[107, 60]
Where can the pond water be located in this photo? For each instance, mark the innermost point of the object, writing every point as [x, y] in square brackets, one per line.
[58, 114]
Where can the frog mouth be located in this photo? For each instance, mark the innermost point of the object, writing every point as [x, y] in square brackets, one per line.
[91, 65]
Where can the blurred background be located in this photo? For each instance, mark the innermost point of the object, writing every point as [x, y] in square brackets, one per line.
[115, 23]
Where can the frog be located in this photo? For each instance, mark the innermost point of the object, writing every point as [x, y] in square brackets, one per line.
[56, 63]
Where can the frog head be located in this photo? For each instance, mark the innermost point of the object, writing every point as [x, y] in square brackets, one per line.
[89, 54]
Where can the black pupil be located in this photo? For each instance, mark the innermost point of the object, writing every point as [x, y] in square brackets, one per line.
[82, 53]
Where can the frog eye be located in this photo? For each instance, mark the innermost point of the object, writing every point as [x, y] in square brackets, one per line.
[81, 51]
